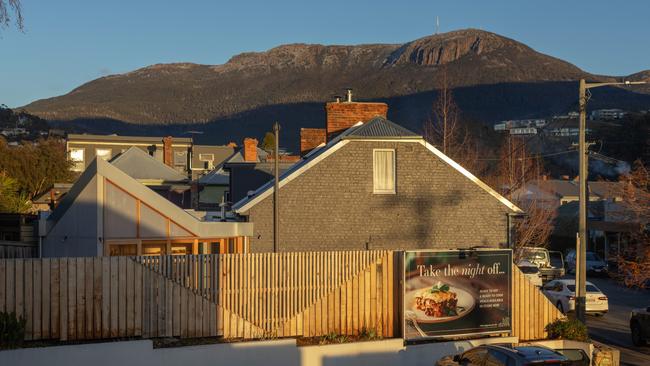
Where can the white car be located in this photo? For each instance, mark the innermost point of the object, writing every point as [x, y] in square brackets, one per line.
[531, 272]
[562, 294]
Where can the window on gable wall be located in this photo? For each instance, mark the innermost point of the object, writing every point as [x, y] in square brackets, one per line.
[383, 167]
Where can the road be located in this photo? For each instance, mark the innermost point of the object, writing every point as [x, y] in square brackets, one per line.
[613, 328]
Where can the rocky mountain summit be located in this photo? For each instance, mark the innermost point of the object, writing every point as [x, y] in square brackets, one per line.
[494, 76]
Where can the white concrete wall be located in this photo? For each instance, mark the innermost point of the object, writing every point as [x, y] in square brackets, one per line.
[268, 353]
[75, 234]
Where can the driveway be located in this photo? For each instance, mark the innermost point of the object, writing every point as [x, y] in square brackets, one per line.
[613, 328]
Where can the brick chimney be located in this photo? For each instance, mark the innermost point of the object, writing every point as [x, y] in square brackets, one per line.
[167, 151]
[310, 138]
[250, 149]
[343, 115]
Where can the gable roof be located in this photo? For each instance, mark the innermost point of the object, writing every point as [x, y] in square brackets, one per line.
[380, 127]
[377, 129]
[238, 157]
[217, 176]
[139, 165]
[100, 167]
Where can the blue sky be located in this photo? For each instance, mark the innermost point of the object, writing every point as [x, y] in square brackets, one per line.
[69, 42]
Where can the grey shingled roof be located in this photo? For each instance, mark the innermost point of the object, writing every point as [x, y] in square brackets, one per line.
[380, 127]
[140, 165]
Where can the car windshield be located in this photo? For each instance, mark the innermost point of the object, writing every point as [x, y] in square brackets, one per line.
[590, 288]
[529, 269]
[534, 254]
[593, 257]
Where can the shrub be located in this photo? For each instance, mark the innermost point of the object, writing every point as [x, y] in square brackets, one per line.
[12, 330]
[370, 334]
[571, 329]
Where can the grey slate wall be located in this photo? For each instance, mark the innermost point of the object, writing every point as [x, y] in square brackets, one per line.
[331, 206]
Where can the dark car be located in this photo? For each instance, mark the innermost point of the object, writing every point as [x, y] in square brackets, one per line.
[640, 326]
[505, 355]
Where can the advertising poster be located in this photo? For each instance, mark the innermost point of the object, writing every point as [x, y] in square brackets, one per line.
[457, 292]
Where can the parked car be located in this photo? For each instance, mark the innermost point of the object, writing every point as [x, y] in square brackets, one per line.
[531, 272]
[595, 265]
[542, 259]
[506, 355]
[640, 326]
[557, 263]
[562, 293]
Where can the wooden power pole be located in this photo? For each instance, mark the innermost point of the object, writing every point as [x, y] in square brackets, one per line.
[276, 190]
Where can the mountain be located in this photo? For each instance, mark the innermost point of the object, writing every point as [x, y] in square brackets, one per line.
[494, 77]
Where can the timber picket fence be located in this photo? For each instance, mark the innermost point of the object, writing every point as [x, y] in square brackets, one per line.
[230, 295]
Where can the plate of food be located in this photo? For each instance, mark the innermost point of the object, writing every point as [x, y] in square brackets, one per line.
[438, 303]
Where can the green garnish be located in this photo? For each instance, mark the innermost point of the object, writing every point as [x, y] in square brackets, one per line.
[439, 288]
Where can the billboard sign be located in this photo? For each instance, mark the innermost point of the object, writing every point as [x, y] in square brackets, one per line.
[457, 292]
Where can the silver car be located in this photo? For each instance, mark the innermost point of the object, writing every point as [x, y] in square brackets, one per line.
[595, 265]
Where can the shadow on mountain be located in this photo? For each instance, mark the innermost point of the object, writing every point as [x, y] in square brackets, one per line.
[483, 104]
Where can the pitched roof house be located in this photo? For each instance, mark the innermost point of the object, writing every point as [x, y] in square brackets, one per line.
[108, 212]
[156, 175]
[377, 185]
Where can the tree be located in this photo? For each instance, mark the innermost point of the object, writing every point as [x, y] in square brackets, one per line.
[6, 8]
[268, 144]
[634, 265]
[444, 128]
[36, 166]
[518, 167]
[11, 200]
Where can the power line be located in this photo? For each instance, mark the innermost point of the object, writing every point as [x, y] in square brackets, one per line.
[533, 157]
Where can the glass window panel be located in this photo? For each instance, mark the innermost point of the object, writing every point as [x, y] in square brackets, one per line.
[384, 171]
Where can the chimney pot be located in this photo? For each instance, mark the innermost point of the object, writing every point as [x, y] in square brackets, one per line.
[348, 95]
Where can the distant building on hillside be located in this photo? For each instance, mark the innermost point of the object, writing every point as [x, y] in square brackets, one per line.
[607, 114]
[520, 126]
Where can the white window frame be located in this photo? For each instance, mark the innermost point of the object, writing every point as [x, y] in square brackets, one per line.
[376, 190]
[204, 157]
[78, 164]
[176, 162]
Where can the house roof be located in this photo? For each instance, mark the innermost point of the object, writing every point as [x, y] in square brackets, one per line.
[238, 157]
[100, 167]
[73, 137]
[139, 165]
[218, 176]
[377, 128]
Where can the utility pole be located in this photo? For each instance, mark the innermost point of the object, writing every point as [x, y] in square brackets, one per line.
[581, 244]
[276, 190]
[581, 273]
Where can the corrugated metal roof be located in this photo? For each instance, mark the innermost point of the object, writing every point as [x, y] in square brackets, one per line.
[380, 127]
[217, 177]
